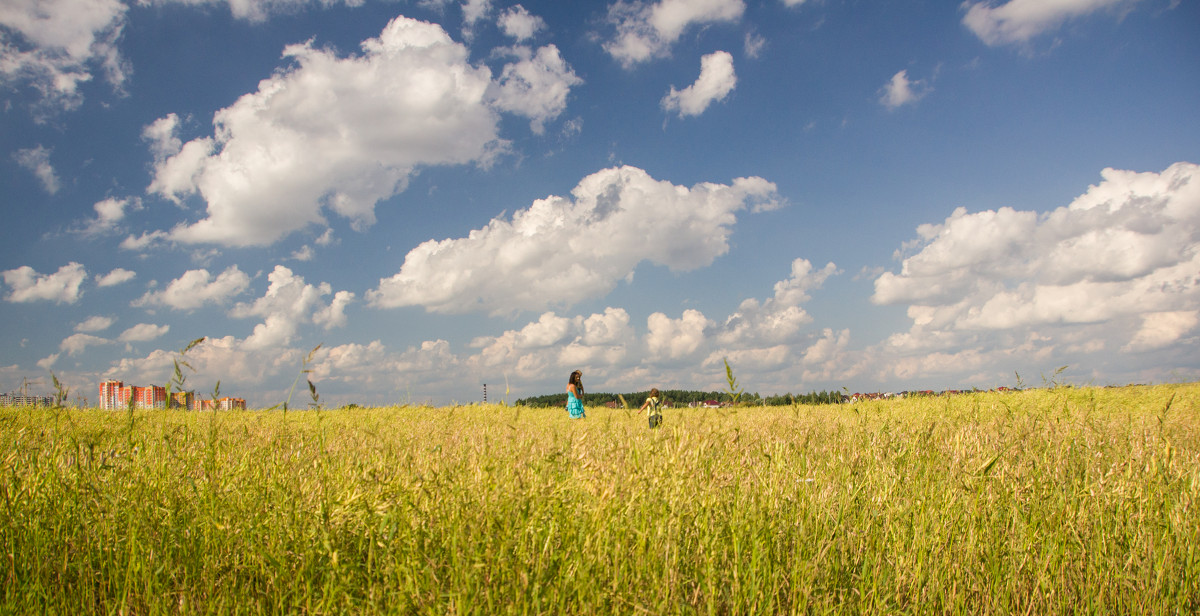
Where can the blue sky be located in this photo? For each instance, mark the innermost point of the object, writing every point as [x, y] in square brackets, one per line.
[442, 194]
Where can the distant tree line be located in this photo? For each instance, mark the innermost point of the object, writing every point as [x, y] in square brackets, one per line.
[681, 397]
[812, 397]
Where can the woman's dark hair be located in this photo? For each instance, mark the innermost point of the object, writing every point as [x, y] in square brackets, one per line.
[654, 392]
[577, 379]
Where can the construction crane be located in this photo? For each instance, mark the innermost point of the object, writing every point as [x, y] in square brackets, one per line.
[26, 382]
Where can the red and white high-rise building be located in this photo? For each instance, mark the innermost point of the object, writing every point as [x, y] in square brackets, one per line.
[110, 394]
[116, 395]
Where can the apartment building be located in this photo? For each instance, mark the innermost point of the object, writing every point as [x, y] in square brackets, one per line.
[117, 395]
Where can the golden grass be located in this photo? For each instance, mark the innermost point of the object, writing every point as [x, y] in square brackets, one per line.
[1060, 501]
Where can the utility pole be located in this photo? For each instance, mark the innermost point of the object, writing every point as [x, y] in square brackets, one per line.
[485, 393]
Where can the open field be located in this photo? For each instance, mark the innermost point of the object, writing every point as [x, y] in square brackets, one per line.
[1036, 502]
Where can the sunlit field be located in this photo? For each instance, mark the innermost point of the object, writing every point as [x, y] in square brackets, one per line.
[1072, 500]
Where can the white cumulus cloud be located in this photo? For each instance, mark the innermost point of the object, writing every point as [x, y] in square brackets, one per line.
[76, 343]
[668, 338]
[94, 324]
[562, 250]
[54, 46]
[553, 342]
[763, 337]
[900, 90]
[1018, 21]
[145, 241]
[1082, 275]
[647, 30]
[779, 318]
[474, 11]
[115, 277]
[334, 315]
[225, 358]
[1161, 329]
[28, 286]
[163, 137]
[717, 79]
[519, 23]
[536, 86]
[109, 213]
[289, 302]
[334, 134]
[614, 353]
[196, 288]
[142, 332]
[430, 365]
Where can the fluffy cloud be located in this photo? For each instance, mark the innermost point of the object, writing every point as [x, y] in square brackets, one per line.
[196, 288]
[46, 363]
[95, 324]
[339, 134]
[901, 91]
[142, 332]
[536, 86]
[670, 339]
[824, 359]
[115, 277]
[389, 374]
[334, 315]
[780, 318]
[56, 45]
[225, 359]
[562, 250]
[1160, 329]
[536, 357]
[145, 240]
[162, 135]
[554, 341]
[288, 303]
[62, 286]
[520, 24]
[305, 253]
[765, 337]
[37, 160]
[645, 30]
[1017, 21]
[688, 349]
[474, 11]
[286, 294]
[109, 213]
[946, 281]
[76, 343]
[1118, 266]
[716, 81]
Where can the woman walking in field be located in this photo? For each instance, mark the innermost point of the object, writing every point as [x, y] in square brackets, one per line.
[575, 395]
[655, 405]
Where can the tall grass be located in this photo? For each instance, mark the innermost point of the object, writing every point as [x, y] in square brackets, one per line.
[1037, 502]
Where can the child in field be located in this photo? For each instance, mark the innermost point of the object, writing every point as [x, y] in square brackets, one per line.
[655, 406]
[575, 395]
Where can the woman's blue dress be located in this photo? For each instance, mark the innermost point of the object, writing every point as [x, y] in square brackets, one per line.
[574, 406]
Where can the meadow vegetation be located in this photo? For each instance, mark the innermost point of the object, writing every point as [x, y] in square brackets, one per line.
[1053, 501]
